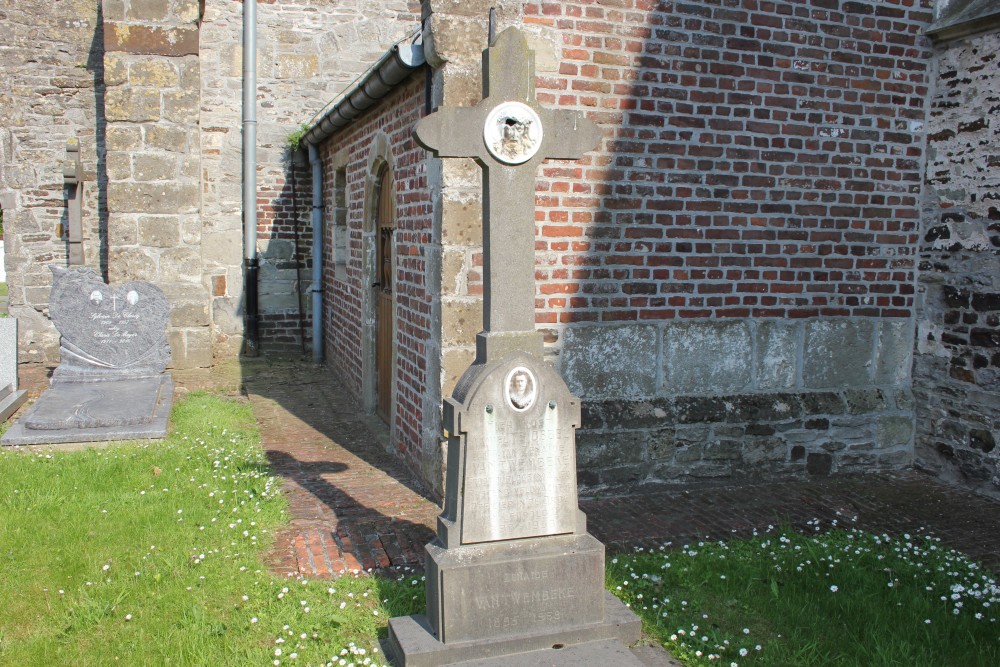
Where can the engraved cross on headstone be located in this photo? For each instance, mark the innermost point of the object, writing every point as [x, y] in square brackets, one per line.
[509, 134]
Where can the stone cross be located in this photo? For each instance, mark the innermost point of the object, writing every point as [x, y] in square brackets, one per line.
[512, 568]
[509, 134]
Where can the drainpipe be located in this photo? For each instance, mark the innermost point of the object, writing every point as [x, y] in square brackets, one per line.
[251, 346]
[317, 252]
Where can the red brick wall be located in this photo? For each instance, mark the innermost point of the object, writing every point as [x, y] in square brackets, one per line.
[283, 215]
[395, 116]
[761, 159]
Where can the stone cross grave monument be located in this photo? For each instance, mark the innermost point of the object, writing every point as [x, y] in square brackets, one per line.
[513, 570]
[111, 382]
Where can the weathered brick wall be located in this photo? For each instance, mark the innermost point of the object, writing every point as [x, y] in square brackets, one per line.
[52, 60]
[384, 135]
[729, 281]
[308, 52]
[957, 365]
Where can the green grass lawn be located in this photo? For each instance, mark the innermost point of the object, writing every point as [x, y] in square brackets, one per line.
[151, 554]
[3, 289]
[837, 598]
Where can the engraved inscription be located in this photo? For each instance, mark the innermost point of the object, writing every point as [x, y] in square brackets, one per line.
[522, 481]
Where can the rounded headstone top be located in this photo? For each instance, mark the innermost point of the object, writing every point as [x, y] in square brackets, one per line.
[513, 132]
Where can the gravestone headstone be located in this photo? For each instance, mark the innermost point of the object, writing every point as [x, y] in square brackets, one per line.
[11, 398]
[512, 570]
[111, 382]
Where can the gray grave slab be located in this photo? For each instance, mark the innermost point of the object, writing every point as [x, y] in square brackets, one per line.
[82, 404]
[512, 568]
[110, 383]
[11, 398]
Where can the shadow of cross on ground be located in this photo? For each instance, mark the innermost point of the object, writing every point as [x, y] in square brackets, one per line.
[352, 506]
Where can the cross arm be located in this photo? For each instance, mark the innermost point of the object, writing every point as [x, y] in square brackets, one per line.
[452, 132]
[568, 135]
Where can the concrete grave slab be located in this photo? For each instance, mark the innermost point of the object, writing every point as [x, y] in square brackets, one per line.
[598, 362]
[837, 353]
[707, 357]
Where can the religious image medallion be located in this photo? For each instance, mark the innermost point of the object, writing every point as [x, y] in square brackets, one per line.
[513, 132]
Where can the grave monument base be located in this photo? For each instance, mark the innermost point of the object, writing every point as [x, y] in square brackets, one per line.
[412, 643]
[505, 601]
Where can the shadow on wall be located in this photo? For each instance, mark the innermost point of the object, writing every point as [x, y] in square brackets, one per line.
[750, 225]
[285, 253]
[95, 65]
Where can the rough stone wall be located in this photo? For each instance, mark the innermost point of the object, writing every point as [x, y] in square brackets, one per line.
[308, 52]
[957, 361]
[152, 78]
[736, 399]
[384, 135]
[161, 150]
[50, 91]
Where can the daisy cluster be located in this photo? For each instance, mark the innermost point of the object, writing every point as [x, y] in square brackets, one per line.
[660, 584]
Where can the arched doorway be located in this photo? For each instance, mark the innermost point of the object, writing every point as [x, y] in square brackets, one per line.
[385, 226]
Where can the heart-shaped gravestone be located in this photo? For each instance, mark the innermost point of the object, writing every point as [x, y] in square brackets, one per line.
[110, 327]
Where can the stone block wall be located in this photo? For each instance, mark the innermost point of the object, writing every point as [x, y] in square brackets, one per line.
[957, 364]
[352, 160]
[701, 400]
[50, 92]
[308, 52]
[152, 97]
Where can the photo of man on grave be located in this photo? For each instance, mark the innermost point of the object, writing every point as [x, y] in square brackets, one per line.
[520, 388]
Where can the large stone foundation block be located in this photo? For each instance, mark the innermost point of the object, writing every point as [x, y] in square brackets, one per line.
[503, 598]
[412, 642]
[503, 589]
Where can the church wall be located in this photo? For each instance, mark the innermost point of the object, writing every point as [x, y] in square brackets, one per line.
[52, 58]
[729, 282]
[153, 93]
[152, 79]
[308, 52]
[384, 135]
[957, 361]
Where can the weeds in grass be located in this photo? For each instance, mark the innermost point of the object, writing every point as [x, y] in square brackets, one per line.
[841, 597]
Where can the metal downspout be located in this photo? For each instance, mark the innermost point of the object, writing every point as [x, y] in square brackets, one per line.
[251, 346]
[317, 252]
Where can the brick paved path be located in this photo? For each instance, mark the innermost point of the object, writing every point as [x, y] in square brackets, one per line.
[354, 507]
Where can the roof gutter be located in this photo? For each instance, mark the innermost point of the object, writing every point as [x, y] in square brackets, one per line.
[389, 71]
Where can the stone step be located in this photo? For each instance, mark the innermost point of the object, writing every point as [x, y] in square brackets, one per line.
[599, 653]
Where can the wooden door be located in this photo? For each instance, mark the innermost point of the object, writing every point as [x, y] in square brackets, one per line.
[385, 219]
